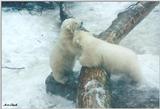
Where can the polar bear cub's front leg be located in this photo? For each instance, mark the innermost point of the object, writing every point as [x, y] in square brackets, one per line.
[83, 62]
[89, 59]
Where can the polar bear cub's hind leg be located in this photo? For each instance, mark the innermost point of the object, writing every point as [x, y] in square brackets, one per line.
[136, 73]
[60, 77]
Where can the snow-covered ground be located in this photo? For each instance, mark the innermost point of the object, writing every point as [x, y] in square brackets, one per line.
[27, 41]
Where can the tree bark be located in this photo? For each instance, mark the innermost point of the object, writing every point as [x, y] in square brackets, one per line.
[88, 96]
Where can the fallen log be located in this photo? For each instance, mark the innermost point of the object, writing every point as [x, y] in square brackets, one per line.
[126, 21]
[93, 89]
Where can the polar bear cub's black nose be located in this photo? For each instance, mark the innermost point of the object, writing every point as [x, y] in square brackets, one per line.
[81, 24]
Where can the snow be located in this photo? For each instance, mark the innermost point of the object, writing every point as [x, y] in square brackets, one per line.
[27, 41]
[91, 84]
[150, 69]
[95, 87]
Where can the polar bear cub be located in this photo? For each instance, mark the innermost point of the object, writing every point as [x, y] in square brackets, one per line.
[63, 55]
[113, 58]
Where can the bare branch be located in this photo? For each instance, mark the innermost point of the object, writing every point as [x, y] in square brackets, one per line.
[64, 11]
[14, 68]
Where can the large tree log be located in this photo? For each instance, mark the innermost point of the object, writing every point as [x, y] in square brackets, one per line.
[126, 21]
[93, 90]
[121, 26]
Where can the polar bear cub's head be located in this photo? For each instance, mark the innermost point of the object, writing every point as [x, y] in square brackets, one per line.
[81, 36]
[70, 25]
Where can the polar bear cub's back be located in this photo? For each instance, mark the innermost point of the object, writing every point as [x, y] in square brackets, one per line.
[120, 59]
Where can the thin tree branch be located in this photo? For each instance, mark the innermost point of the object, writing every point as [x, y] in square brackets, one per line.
[64, 11]
[14, 68]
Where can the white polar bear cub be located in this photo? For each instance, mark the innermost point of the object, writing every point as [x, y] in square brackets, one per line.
[63, 55]
[113, 58]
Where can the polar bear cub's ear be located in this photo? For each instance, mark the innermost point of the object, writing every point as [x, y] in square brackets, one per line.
[75, 26]
[71, 25]
[77, 41]
[77, 37]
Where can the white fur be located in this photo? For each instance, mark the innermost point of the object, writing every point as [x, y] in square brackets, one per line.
[114, 58]
[62, 58]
